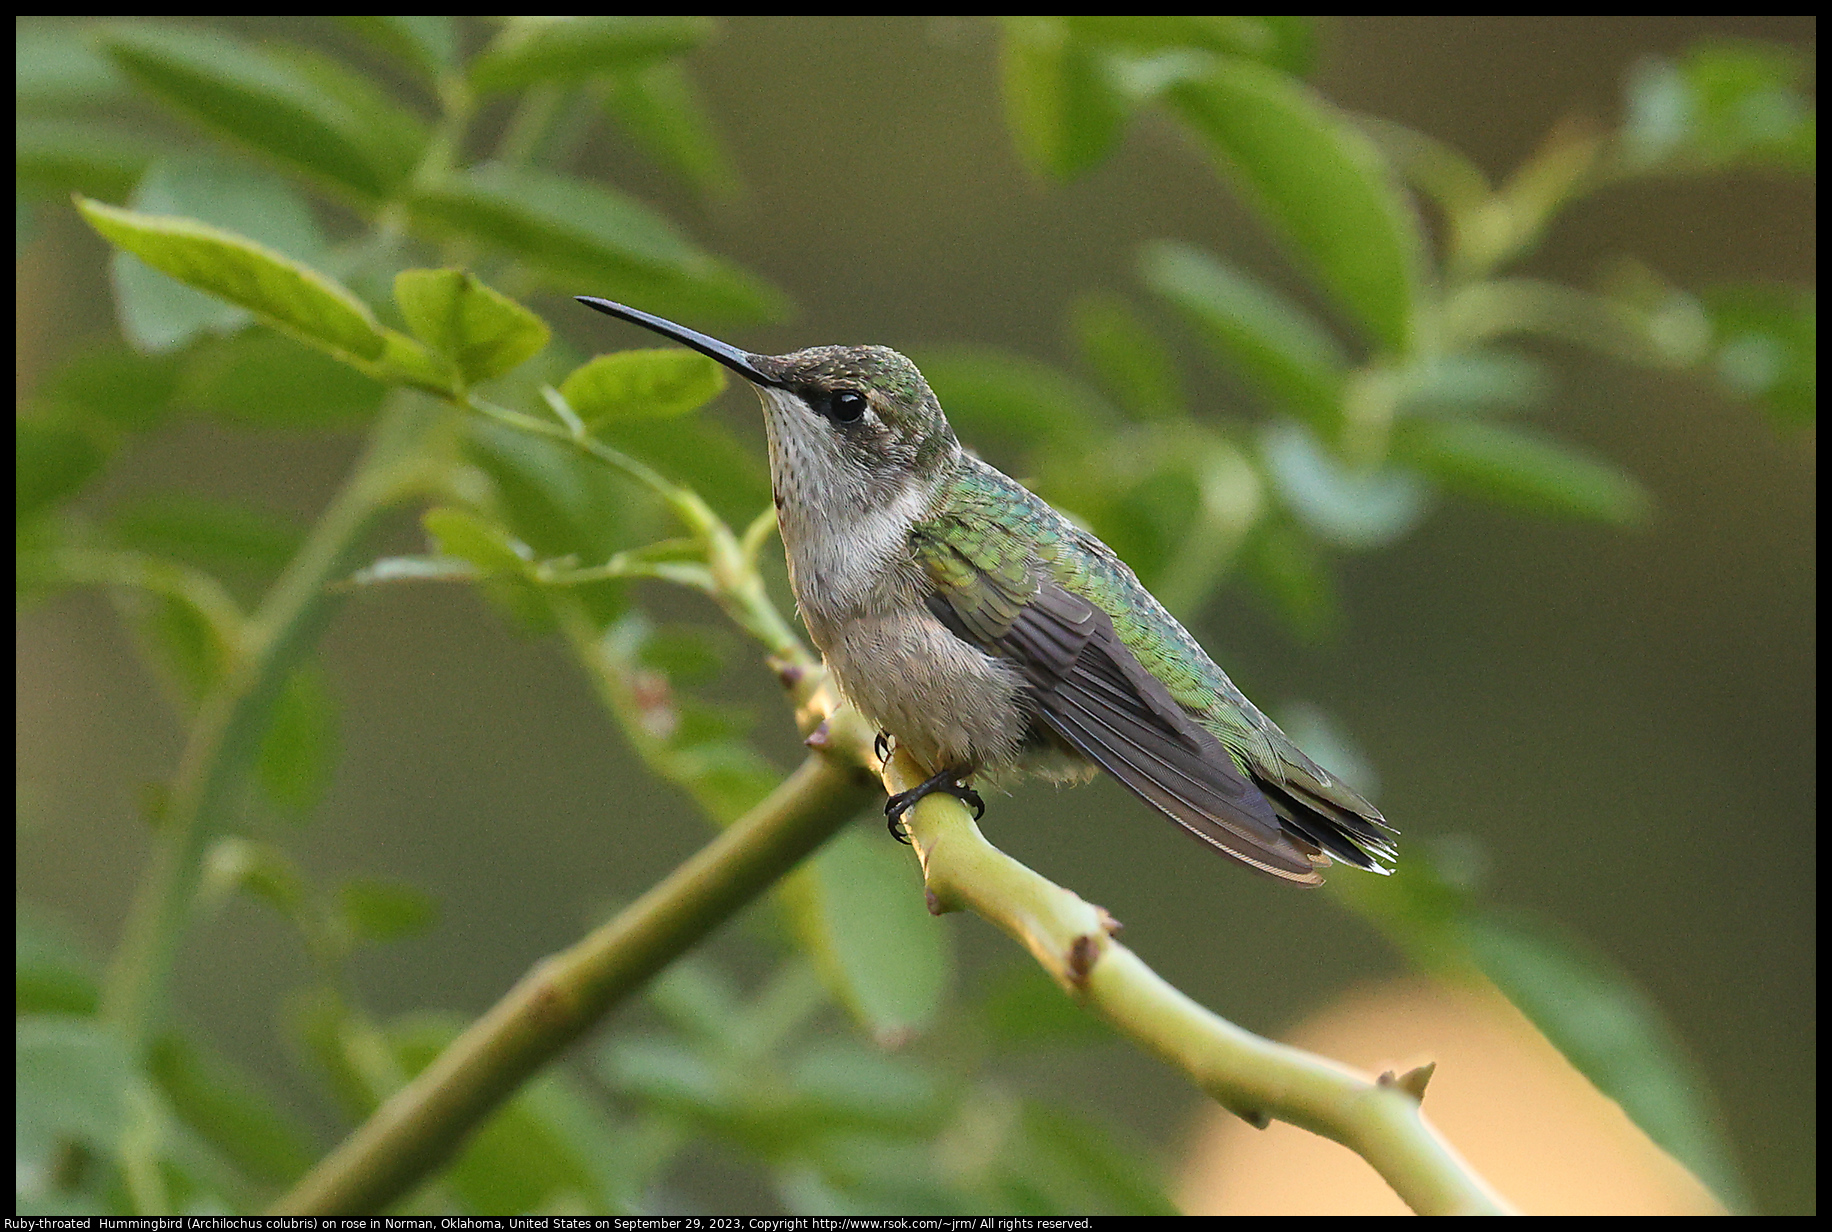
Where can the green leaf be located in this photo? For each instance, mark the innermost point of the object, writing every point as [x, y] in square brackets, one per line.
[843, 1082]
[1767, 348]
[287, 294]
[1286, 565]
[659, 106]
[1133, 364]
[278, 109]
[1593, 1013]
[216, 536]
[223, 1104]
[386, 910]
[1356, 509]
[52, 462]
[481, 330]
[1512, 466]
[860, 913]
[464, 534]
[158, 314]
[263, 379]
[581, 234]
[1276, 344]
[651, 384]
[1722, 104]
[1080, 1168]
[52, 974]
[1284, 43]
[1012, 399]
[57, 66]
[113, 385]
[1319, 181]
[299, 749]
[550, 498]
[1473, 382]
[702, 453]
[59, 157]
[1022, 1008]
[426, 42]
[1064, 111]
[71, 1083]
[533, 50]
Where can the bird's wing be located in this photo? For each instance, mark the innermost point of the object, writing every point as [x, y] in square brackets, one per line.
[1091, 691]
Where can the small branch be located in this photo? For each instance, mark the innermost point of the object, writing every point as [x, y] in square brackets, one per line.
[565, 995]
[1255, 1078]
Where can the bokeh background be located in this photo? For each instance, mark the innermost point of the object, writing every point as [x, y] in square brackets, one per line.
[1622, 724]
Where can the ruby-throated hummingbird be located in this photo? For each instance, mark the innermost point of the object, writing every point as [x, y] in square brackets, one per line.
[986, 634]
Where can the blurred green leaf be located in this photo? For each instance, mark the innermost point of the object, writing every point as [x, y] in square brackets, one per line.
[666, 1073]
[468, 536]
[1767, 348]
[1012, 399]
[56, 65]
[338, 130]
[650, 384]
[114, 385]
[386, 910]
[262, 871]
[1721, 104]
[659, 106]
[481, 330]
[864, 920]
[224, 1106]
[1275, 344]
[1023, 1008]
[551, 498]
[1133, 364]
[1469, 382]
[1593, 1013]
[59, 157]
[1066, 1164]
[1284, 43]
[533, 50]
[265, 379]
[289, 295]
[427, 42]
[52, 974]
[1321, 182]
[701, 453]
[71, 1082]
[219, 537]
[1287, 567]
[841, 1082]
[299, 750]
[581, 234]
[1512, 466]
[1064, 111]
[1356, 509]
[52, 463]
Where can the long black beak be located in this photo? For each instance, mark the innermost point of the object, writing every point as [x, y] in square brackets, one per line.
[738, 361]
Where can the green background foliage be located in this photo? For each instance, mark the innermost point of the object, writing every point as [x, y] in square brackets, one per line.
[1194, 291]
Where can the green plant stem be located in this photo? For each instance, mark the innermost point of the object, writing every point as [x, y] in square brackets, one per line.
[1378, 1119]
[565, 995]
[226, 731]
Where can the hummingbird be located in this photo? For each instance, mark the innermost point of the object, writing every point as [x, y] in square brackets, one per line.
[989, 636]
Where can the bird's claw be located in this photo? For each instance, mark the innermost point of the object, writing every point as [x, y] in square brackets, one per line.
[948, 782]
[881, 745]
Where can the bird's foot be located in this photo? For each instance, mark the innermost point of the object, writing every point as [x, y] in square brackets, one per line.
[948, 781]
[882, 744]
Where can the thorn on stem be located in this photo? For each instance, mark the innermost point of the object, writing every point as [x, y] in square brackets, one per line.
[820, 739]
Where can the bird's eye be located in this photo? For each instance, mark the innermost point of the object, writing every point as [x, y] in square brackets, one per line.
[846, 406]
